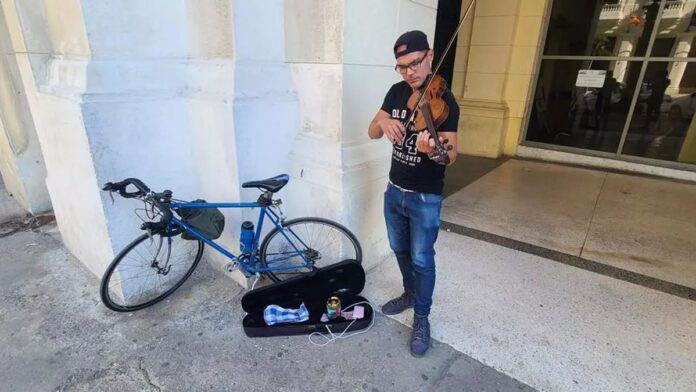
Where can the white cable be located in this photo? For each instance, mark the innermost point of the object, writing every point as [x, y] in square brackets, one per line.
[331, 337]
[258, 277]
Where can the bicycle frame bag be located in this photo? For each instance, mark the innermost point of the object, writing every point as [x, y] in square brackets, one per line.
[344, 280]
[208, 221]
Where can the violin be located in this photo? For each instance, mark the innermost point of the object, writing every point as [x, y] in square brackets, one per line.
[428, 109]
[433, 99]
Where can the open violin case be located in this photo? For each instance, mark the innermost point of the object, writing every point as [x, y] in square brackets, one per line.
[345, 280]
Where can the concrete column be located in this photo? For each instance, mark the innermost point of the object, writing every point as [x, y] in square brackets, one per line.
[676, 71]
[265, 99]
[21, 162]
[461, 58]
[314, 54]
[624, 48]
[500, 69]
[144, 90]
[342, 66]
[368, 65]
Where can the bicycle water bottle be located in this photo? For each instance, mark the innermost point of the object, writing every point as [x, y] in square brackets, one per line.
[246, 237]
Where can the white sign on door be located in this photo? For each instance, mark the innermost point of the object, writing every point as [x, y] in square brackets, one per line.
[590, 78]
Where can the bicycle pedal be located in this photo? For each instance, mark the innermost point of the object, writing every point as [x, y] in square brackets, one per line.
[231, 267]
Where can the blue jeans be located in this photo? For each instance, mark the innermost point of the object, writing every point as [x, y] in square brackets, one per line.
[413, 222]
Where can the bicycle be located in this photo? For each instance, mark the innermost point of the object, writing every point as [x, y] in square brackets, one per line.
[291, 248]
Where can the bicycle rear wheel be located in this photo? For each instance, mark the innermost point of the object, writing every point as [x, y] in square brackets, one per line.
[311, 243]
[148, 270]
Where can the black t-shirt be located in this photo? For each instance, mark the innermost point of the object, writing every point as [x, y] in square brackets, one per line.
[411, 169]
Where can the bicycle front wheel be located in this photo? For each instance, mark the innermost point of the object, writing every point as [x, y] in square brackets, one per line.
[148, 270]
[305, 244]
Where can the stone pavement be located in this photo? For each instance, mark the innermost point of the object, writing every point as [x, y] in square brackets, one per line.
[56, 335]
[553, 326]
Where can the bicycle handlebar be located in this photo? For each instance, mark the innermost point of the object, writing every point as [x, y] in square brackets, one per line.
[120, 187]
[144, 191]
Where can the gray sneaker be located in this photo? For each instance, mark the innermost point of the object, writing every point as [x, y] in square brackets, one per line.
[420, 339]
[398, 304]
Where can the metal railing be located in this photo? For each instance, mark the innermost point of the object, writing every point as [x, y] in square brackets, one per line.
[612, 11]
[673, 9]
[611, 8]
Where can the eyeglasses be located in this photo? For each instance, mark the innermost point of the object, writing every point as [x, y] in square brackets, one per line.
[402, 69]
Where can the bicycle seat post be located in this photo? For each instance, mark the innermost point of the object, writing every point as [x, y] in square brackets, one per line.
[266, 199]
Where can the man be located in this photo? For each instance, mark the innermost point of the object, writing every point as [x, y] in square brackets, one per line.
[658, 85]
[414, 195]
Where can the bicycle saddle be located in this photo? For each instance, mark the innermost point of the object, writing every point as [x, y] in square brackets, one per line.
[273, 184]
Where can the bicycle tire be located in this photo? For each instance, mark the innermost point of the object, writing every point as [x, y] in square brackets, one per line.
[295, 226]
[112, 302]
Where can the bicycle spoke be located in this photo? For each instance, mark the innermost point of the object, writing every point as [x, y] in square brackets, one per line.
[320, 243]
[150, 270]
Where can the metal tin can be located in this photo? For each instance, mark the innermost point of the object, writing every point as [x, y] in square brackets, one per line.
[333, 307]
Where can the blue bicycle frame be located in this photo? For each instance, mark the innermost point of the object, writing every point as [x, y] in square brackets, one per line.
[248, 265]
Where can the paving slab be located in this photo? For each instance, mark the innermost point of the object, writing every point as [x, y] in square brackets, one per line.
[552, 326]
[646, 225]
[539, 203]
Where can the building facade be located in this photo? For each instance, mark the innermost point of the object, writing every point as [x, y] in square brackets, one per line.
[603, 83]
[200, 96]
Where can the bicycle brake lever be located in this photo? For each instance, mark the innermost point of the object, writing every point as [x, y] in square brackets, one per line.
[276, 205]
[111, 195]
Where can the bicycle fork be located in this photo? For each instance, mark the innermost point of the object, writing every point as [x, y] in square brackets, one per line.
[155, 263]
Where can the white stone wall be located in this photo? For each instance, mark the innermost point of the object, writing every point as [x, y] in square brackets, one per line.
[21, 162]
[342, 66]
[368, 71]
[142, 89]
[266, 108]
[313, 52]
[199, 96]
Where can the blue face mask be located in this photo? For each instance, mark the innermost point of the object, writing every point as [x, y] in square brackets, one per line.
[274, 314]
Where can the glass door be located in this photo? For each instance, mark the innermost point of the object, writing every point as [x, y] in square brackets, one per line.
[617, 78]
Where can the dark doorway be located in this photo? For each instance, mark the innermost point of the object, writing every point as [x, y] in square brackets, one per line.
[446, 23]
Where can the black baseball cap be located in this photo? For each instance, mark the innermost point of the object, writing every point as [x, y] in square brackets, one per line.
[415, 41]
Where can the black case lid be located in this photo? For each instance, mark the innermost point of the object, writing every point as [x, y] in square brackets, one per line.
[344, 278]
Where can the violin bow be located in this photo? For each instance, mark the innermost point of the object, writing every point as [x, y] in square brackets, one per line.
[440, 155]
[442, 58]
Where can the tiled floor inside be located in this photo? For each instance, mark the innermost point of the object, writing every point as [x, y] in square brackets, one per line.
[641, 224]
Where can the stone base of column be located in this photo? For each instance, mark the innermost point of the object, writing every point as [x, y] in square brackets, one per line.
[482, 127]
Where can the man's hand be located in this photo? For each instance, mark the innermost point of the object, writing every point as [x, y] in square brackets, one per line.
[425, 144]
[393, 129]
